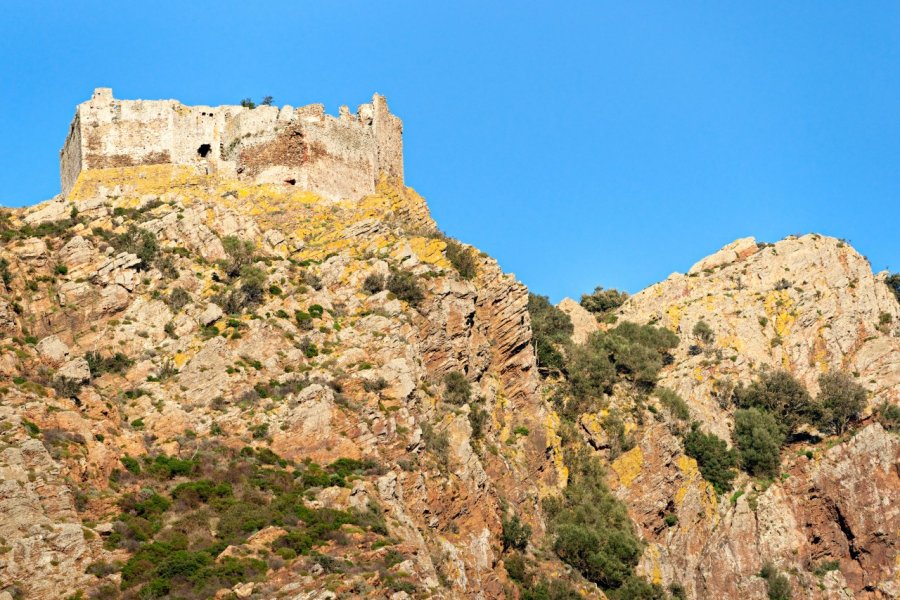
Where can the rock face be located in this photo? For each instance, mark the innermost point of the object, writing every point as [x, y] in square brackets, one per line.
[583, 322]
[317, 370]
[327, 360]
[805, 305]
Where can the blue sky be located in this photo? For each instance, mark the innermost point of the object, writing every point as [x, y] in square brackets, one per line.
[579, 143]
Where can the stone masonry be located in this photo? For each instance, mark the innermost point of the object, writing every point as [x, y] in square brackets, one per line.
[334, 157]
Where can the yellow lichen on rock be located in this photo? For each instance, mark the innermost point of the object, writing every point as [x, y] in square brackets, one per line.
[674, 313]
[628, 466]
[554, 444]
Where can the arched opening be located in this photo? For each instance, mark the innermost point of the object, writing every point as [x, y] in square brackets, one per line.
[203, 150]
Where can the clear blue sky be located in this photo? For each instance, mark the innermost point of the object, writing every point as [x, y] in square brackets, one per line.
[580, 143]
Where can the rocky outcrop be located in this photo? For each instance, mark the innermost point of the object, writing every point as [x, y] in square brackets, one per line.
[805, 305]
[319, 370]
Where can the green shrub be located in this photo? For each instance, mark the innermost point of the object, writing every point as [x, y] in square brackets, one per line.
[177, 299]
[758, 438]
[373, 283]
[478, 418]
[777, 584]
[139, 242]
[893, 283]
[316, 311]
[437, 443]
[889, 416]
[603, 301]
[99, 364]
[515, 534]
[703, 332]
[782, 395]
[457, 389]
[715, 460]
[841, 400]
[551, 329]
[240, 255]
[131, 464]
[673, 403]
[629, 351]
[591, 528]
[404, 286]
[462, 259]
[66, 387]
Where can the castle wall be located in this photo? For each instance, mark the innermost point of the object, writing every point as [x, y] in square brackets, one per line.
[70, 157]
[335, 157]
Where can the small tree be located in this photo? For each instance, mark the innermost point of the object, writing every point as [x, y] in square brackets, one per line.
[267, 101]
[893, 283]
[783, 396]
[248, 103]
[550, 328]
[704, 333]
[515, 533]
[777, 584]
[841, 399]
[758, 438]
[715, 460]
[457, 389]
[240, 254]
[403, 284]
[373, 283]
[603, 301]
[462, 259]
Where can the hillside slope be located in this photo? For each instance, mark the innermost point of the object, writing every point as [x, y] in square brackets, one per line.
[804, 305]
[217, 389]
[120, 359]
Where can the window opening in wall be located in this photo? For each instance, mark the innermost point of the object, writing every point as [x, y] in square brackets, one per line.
[203, 150]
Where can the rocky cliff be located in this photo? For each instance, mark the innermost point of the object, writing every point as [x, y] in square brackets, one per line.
[805, 305]
[118, 347]
[217, 389]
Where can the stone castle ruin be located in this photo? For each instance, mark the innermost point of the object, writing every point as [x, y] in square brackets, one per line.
[334, 157]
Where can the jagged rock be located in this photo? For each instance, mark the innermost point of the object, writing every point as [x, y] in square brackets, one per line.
[210, 315]
[733, 252]
[52, 349]
[9, 322]
[583, 322]
[31, 250]
[76, 369]
[55, 209]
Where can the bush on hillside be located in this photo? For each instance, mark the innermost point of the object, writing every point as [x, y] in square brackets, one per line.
[602, 301]
[550, 329]
[240, 254]
[778, 586]
[632, 352]
[782, 395]
[462, 259]
[457, 389]
[515, 533]
[758, 438]
[673, 403]
[373, 283]
[704, 333]
[841, 400]
[591, 528]
[716, 461]
[893, 283]
[404, 286]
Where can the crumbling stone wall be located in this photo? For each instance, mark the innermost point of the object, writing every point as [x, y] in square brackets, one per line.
[335, 157]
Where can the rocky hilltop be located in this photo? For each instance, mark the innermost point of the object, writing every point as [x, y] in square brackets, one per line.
[215, 387]
[805, 305]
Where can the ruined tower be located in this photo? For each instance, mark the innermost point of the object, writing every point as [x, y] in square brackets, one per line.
[334, 157]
